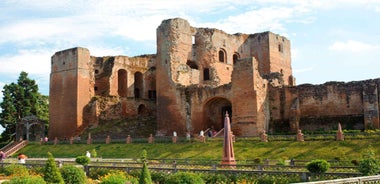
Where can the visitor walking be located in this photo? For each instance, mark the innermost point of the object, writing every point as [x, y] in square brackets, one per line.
[88, 154]
[22, 158]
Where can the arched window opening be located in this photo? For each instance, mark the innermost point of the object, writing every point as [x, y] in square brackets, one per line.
[122, 83]
[193, 39]
[235, 57]
[222, 56]
[96, 71]
[192, 64]
[206, 74]
[138, 85]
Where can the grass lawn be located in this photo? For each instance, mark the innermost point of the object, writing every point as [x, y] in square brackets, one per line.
[244, 150]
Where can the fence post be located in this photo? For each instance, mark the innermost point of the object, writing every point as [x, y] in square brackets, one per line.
[87, 170]
[175, 166]
[304, 176]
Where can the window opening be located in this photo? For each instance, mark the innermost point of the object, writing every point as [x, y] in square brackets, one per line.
[206, 74]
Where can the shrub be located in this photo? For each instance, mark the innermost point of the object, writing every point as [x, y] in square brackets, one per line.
[51, 172]
[83, 160]
[94, 153]
[145, 174]
[185, 178]
[257, 161]
[355, 162]
[281, 162]
[212, 178]
[32, 179]
[97, 173]
[369, 165]
[318, 166]
[159, 177]
[16, 170]
[118, 177]
[73, 175]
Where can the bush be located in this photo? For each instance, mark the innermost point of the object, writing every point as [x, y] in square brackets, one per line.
[185, 178]
[26, 180]
[73, 175]
[318, 166]
[82, 160]
[257, 161]
[159, 177]
[145, 177]
[94, 153]
[369, 165]
[118, 177]
[212, 178]
[51, 171]
[97, 173]
[16, 170]
[355, 162]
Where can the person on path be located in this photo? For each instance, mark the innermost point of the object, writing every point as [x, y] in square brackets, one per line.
[21, 158]
[88, 154]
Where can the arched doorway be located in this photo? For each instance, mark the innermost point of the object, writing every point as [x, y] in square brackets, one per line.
[122, 83]
[214, 112]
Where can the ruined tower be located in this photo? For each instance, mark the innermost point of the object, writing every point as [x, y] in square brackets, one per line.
[71, 89]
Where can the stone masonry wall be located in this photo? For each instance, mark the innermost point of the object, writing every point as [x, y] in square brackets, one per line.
[322, 107]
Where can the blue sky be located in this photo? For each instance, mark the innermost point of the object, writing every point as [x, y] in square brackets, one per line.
[331, 40]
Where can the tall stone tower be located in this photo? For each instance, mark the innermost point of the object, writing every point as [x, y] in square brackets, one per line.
[174, 46]
[71, 89]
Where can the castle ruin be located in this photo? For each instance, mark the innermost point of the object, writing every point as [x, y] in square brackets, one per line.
[196, 76]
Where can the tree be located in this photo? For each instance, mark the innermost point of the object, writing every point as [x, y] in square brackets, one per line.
[21, 99]
[51, 171]
[369, 165]
[145, 177]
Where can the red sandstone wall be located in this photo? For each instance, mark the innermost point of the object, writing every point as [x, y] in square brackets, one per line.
[334, 99]
[70, 90]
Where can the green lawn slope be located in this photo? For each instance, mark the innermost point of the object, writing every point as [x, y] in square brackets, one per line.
[212, 150]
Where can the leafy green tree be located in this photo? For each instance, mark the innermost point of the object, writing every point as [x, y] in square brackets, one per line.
[51, 171]
[145, 177]
[21, 99]
[369, 165]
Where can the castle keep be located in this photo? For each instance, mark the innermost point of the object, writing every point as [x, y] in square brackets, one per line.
[196, 76]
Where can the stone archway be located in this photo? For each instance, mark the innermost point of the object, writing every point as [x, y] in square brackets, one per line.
[30, 128]
[214, 112]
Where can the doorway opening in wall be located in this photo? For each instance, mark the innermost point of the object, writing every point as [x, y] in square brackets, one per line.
[214, 113]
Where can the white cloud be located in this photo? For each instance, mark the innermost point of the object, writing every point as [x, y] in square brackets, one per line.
[105, 51]
[352, 46]
[30, 61]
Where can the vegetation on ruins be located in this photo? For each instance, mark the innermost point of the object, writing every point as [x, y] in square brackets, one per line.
[21, 99]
